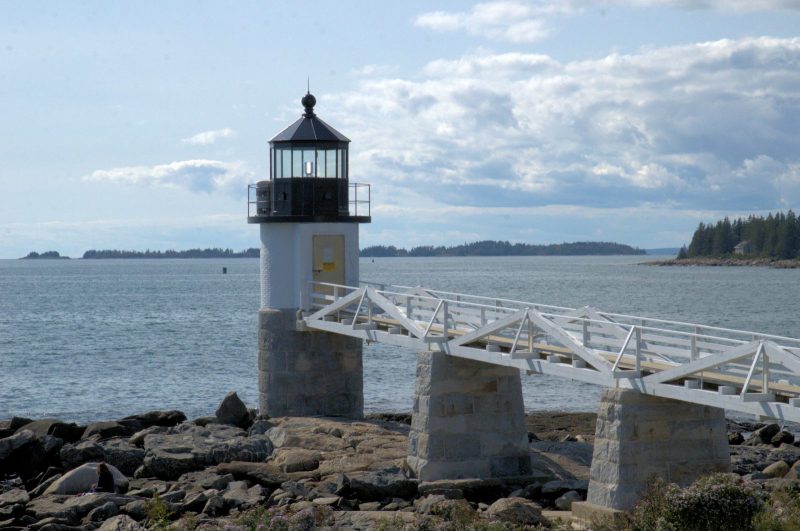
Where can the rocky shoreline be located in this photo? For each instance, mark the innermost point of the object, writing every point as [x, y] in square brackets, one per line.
[236, 470]
[728, 262]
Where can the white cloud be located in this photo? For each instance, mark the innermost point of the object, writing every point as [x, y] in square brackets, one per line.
[209, 137]
[195, 175]
[722, 5]
[511, 21]
[671, 126]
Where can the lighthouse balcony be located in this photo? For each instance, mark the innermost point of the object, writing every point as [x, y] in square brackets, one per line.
[308, 200]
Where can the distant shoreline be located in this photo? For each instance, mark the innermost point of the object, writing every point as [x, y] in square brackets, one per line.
[728, 262]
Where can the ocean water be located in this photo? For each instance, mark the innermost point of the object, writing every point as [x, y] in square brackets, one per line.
[99, 339]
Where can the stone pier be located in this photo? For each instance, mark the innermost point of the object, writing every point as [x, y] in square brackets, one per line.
[468, 420]
[639, 437]
[307, 373]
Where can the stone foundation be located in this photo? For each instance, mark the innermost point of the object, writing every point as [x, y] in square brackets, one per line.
[640, 436]
[468, 420]
[305, 374]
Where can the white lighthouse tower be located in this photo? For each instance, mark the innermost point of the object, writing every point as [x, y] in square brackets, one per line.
[309, 232]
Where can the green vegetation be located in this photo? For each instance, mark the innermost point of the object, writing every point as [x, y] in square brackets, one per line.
[191, 253]
[504, 248]
[776, 236]
[33, 255]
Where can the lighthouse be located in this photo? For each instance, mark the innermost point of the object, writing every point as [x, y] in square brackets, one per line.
[308, 214]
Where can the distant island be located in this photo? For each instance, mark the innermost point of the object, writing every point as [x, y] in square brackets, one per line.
[190, 253]
[504, 248]
[49, 255]
[772, 241]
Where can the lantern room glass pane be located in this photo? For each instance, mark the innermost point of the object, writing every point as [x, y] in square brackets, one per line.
[340, 163]
[297, 162]
[330, 163]
[286, 163]
[322, 169]
[309, 163]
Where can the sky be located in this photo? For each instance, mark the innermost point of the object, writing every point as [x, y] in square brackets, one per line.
[138, 125]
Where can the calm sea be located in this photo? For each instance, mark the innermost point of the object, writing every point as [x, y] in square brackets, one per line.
[99, 339]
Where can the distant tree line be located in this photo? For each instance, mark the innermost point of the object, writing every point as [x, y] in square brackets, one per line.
[190, 253]
[774, 236]
[504, 248]
[33, 255]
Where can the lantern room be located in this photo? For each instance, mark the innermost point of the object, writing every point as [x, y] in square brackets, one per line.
[308, 178]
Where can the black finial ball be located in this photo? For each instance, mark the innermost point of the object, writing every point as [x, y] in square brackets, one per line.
[308, 102]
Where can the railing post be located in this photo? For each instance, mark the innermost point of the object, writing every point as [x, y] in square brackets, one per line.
[585, 333]
[408, 307]
[693, 354]
[446, 319]
[483, 316]
[638, 348]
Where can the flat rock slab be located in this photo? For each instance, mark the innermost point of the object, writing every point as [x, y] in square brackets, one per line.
[188, 447]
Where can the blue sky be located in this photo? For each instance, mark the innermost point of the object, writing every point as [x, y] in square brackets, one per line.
[139, 125]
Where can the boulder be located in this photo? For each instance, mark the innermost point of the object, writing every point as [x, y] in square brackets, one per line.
[17, 422]
[259, 427]
[81, 479]
[763, 435]
[794, 471]
[8, 445]
[735, 438]
[555, 488]
[782, 437]
[120, 523]
[126, 457]
[136, 509]
[104, 512]
[564, 502]
[106, 430]
[776, 470]
[516, 511]
[262, 473]
[68, 432]
[296, 459]
[381, 484]
[166, 419]
[13, 497]
[73, 455]
[215, 506]
[137, 439]
[474, 490]
[233, 411]
[187, 448]
[239, 496]
[71, 508]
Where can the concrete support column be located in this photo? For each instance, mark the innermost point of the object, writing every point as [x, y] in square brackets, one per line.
[640, 436]
[307, 373]
[468, 420]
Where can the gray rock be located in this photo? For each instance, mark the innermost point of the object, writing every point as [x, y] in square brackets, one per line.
[233, 411]
[10, 444]
[104, 512]
[735, 438]
[239, 496]
[137, 439]
[782, 437]
[120, 523]
[17, 422]
[123, 454]
[173, 496]
[187, 448]
[474, 490]
[261, 473]
[42, 487]
[195, 502]
[14, 496]
[564, 502]
[776, 470]
[259, 427]
[518, 511]
[68, 432]
[763, 435]
[166, 419]
[381, 484]
[136, 509]
[215, 506]
[558, 487]
[296, 459]
[369, 506]
[73, 455]
[108, 429]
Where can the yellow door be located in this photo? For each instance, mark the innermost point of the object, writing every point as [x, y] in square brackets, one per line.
[328, 261]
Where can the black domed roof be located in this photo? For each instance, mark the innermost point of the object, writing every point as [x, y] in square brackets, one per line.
[309, 128]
